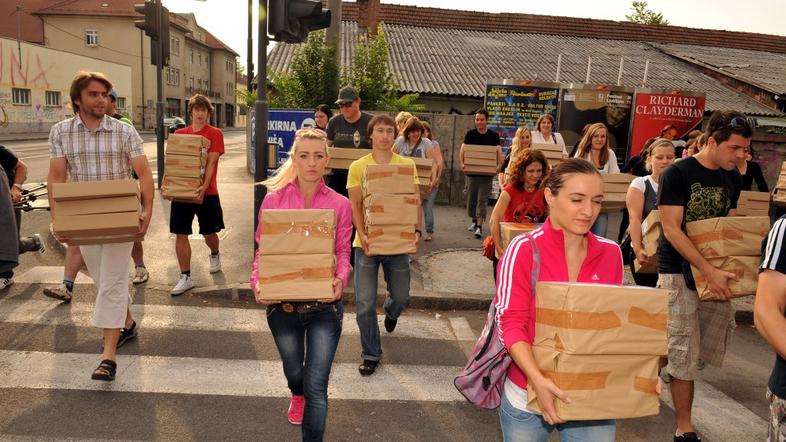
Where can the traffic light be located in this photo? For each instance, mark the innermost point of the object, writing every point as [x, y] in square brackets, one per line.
[156, 26]
[150, 24]
[290, 21]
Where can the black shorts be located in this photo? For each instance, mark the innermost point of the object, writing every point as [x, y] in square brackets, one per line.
[209, 215]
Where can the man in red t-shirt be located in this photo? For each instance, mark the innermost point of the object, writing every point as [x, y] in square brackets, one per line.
[209, 213]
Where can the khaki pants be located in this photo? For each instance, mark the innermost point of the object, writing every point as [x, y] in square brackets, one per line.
[108, 266]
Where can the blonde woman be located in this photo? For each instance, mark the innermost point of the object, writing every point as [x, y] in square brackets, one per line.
[522, 140]
[316, 326]
[594, 147]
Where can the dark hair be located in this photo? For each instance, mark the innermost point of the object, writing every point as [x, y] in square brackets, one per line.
[519, 165]
[482, 112]
[545, 117]
[200, 101]
[378, 119]
[585, 145]
[427, 128]
[412, 125]
[81, 81]
[720, 126]
[645, 150]
[325, 109]
[559, 174]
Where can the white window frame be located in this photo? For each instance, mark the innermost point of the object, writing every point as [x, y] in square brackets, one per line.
[121, 103]
[53, 98]
[91, 37]
[20, 96]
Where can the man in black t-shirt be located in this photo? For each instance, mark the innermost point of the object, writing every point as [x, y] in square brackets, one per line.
[769, 315]
[479, 186]
[703, 186]
[347, 129]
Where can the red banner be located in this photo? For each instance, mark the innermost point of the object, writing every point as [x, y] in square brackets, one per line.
[655, 110]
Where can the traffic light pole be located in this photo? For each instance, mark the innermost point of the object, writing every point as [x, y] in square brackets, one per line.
[160, 98]
[260, 117]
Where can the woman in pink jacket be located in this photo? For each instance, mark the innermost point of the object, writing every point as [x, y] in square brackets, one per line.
[569, 252]
[298, 184]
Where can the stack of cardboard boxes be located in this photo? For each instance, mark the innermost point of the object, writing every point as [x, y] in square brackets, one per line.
[615, 188]
[480, 160]
[732, 244]
[508, 231]
[342, 157]
[753, 204]
[184, 167]
[423, 166]
[779, 193]
[553, 152]
[650, 235]
[96, 212]
[600, 344]
[390, 204]
[297, 254]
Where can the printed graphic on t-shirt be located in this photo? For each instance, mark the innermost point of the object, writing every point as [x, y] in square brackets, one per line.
[356, 138]
[707, 202]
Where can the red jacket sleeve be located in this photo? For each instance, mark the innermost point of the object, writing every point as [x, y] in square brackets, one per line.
[514, 300]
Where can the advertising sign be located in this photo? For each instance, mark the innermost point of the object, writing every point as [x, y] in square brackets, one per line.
[655, 110]
[515, 103]
[281, 127]
[582, 104]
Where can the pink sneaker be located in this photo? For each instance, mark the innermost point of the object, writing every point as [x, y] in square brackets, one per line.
[295, 412]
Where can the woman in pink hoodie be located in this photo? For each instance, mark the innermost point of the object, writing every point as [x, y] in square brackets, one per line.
[298, 184]
[569, 252]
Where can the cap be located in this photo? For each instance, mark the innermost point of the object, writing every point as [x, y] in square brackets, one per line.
[347, 94]
[113, 95]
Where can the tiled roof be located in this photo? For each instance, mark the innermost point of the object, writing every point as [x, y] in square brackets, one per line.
[762, 69]
[566, 26]
[454, 62]
[215, 43]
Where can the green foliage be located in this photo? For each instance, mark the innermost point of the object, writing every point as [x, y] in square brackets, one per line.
[640, 14]
[248, 98]
[312, 78]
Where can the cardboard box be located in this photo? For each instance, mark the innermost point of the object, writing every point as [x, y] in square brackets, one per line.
[480, 160]
[189, 166]
[390, 179]
[746, 268]
[753, 204]
[383, 209]
[84, 190]
[100, 224]
[342, 157]
[613, 202]
[615, 188]
[471, 169]
[728, 236]
[392, 239]
[508, 231]
[181, 189]
[295, 232]
[480, 151]
[182, 144]
[650, 235]
[600, 386]
[108, 239]
[296, 277]
[98, 205]
[595, 319]
[548, 149]
[617, 178]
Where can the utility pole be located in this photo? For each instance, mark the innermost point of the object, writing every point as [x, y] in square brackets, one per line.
[260, 116]
[19, 33]
[250, 50]
[160, 92]
[333, 33]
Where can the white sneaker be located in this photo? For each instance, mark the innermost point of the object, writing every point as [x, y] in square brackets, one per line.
[41, 248]
[60, 292]
[478, 233]
[6, 282]
[215, 263]
[185, 284]
[472, 227]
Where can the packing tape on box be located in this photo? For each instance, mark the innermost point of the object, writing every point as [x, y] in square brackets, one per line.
[306, 273]
[718, 235]
[577, 320]
[388, 174]
[380, 208]
[320, 229]
[377, 233]
[646, 385]
[578, 381]
[655, 321]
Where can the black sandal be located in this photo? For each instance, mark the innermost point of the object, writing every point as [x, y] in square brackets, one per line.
[105, 371]
[368, 367]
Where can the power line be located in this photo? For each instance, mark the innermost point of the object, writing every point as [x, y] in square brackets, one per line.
[80, 38]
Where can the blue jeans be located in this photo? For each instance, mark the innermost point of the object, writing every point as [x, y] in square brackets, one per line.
[396, 268]
[307, 372]
[523, 426]
[428, 210]
[601, 225]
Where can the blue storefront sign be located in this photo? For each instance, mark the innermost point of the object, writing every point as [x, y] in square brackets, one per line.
[281, 127]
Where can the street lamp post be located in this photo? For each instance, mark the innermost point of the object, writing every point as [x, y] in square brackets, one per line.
[260, 116]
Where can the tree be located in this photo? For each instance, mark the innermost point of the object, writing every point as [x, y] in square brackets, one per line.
[312, 78]
[645, 16]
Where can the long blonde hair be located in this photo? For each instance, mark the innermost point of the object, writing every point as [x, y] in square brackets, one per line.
[514, 145]
[585, 145]
[287, 173]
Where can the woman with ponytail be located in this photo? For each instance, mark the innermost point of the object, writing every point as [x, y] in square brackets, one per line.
[298, 184]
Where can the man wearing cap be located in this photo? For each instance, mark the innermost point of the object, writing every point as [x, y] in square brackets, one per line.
[347, 129]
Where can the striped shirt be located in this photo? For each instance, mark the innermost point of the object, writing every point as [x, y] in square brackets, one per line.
[103, 155]
[772, 256]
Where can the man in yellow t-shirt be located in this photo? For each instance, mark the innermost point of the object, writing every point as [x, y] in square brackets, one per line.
[382, 132]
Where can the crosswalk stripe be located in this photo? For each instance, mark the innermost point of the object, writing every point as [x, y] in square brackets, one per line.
[719, 417]
[199, 376]
[154, 316]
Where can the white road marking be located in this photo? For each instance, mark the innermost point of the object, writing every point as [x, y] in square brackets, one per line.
[199, 376]
[50, 275]
[462, 330]
[719, 417]
[40, 312]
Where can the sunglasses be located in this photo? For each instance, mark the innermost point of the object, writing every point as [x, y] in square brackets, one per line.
[347, 104]
[739, 124]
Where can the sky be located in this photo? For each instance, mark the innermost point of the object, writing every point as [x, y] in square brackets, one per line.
[228, 19]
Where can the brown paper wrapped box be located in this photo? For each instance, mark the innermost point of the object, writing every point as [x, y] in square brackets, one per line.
[508, 231]
[342, 157]
[295, 232]
[184, 144]
[650, 235]
[753, 204]
[383, 209]
[183, 189]
[296, 277]
[746, 268]
[98, 205]
[480, 160]
[390, 179]
[728, 236]
[548, 148]
[189, 166]
[600, 386]
[423, 166]
[101, 224]
[85, 190]
[613, 202]
[595, 319]
[779, 193]
[392, 240]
